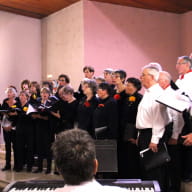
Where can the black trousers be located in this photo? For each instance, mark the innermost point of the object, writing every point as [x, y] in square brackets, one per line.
[10, 141]
[44, 139]
[128, 161]
[25, 146]
[158, 173]
[186, 162]
[174, 168]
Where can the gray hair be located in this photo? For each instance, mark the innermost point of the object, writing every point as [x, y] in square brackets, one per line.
[186, 59]
[166, 75]
[12, 90]
[108, 70]
[153, 69]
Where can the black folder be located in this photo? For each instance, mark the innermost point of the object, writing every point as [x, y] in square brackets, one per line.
[151, 160]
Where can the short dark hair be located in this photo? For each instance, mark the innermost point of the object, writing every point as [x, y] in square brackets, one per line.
[136, 82]
[26, 81]
[90, 68]
[74, 153]
[105, 86]
[67, 79]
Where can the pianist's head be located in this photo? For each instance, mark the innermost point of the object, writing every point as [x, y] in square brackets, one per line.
[75, 157]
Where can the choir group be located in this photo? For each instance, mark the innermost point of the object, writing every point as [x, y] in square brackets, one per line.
[107, 108]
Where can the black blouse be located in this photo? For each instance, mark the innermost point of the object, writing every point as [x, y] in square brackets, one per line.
[106, 115]
[85, 114]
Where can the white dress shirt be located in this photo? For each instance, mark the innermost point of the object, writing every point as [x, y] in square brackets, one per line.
[90, 186]
[184, 84]
[152, 114]
[175, 117]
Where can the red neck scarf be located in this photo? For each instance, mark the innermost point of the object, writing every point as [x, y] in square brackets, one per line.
[182, 76]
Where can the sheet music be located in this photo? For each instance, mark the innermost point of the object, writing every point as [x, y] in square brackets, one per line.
[31, 109]
[175, 100]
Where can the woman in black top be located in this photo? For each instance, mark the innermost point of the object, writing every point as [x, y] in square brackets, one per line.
[66, 109]
[24, 134]
[118, 78]
[44, 133]
[9, 125]
[87, 106]
[34, 92]
[128, 151]
[105, 116]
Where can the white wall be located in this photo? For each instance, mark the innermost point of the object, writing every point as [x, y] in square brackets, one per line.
[20, 50]
[62, 35]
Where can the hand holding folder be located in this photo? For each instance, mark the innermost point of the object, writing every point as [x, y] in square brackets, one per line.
[151, 160]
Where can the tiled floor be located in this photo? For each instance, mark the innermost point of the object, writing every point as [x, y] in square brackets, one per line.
[7, 177]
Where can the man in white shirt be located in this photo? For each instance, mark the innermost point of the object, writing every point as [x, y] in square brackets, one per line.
[173, 131]
[151, 120]
[183, 67]
[75, 158]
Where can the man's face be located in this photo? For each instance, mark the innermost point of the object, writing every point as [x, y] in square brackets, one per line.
[88, 74]
[182, 66]
[146, 78]
[107, 76]
[116, 78]
[163, 82]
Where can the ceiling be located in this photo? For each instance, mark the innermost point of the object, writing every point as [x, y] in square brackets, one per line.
[43, 8]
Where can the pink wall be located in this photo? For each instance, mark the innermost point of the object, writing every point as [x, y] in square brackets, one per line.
[20, 48]
[186, 30]
[128, 38]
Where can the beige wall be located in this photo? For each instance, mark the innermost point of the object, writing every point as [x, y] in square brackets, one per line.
[20, 50]
[62, 35]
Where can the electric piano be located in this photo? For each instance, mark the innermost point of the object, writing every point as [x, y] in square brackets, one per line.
[135, 185]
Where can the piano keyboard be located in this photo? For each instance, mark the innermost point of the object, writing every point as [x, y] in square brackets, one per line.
[132, 185]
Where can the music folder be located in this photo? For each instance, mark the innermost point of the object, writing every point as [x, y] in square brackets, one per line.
[174, 100]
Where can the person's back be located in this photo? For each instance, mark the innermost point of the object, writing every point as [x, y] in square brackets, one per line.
[75, 158]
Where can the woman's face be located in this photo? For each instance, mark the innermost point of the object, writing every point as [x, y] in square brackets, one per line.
[25, 86]
[33, 89]
[67, 96]
[130, 88]
[23, 97]
[44, 95]
[86, 89]
[102, 93]
[10, 94]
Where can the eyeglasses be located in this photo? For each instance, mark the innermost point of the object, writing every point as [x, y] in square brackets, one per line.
[61, 79]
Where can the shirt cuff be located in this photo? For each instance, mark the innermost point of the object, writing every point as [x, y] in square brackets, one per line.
[175, 136]
[155, 139]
